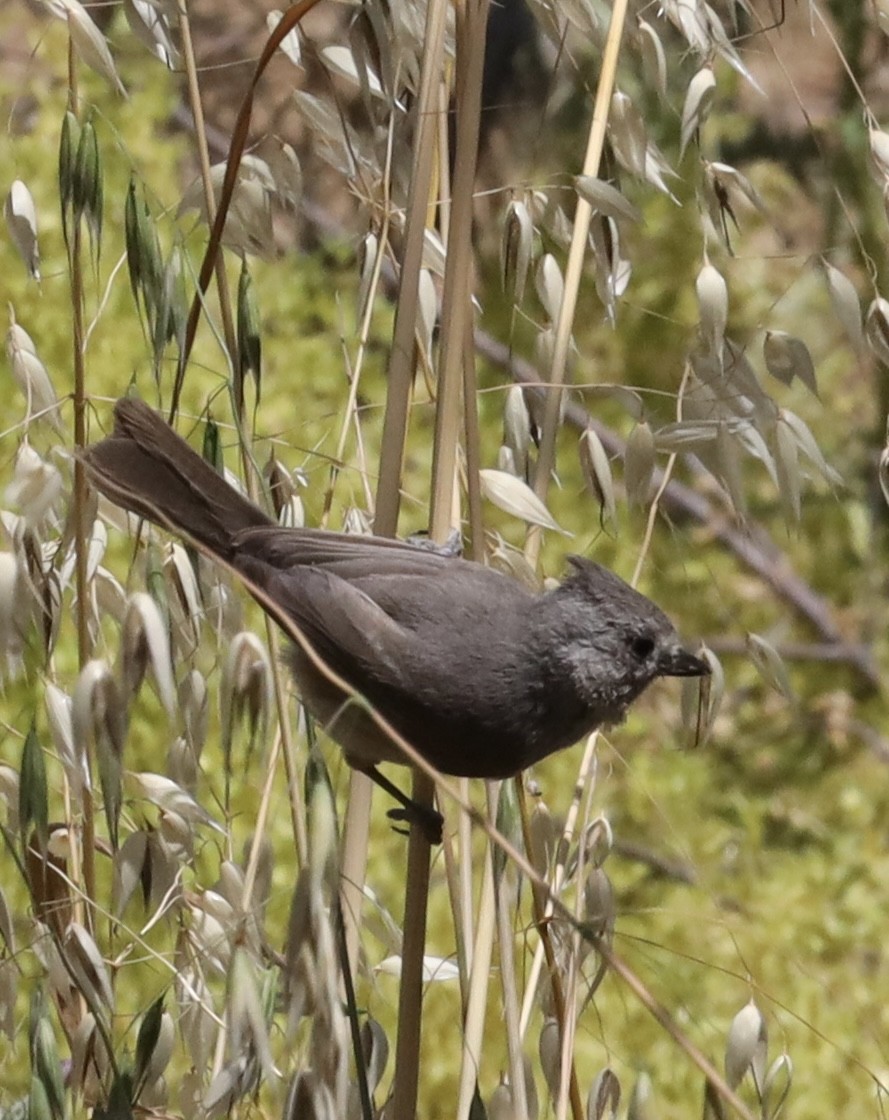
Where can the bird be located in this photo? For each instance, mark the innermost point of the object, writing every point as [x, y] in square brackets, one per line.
[482, 676]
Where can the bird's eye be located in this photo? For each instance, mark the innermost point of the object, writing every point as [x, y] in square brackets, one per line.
[642, 646]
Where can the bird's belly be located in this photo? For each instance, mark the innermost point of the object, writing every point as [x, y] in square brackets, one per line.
[456, 742]
[345, 718]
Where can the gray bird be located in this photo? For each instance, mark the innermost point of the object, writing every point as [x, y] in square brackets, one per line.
[480, 675]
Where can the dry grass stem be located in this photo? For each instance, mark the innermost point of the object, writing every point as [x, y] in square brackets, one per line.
[576, 258]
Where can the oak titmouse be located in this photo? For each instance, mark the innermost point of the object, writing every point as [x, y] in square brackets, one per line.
[480, 675]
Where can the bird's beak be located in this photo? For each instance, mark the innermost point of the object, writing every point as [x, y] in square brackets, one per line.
[678, 662]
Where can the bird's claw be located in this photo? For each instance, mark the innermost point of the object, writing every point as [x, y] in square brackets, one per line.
[427, 820]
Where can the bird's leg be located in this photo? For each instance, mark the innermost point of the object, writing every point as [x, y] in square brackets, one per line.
[423, 816]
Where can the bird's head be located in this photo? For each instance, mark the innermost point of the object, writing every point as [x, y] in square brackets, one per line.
[613, 641]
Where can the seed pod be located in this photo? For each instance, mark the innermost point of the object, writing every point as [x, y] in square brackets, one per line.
[746, 1046]
[846, 304]
[543, 836]
[308, 1098]
[626, 129]
[599, 911]
[244, 1012]
[172, 311]
[698, 100]
[31, 375]
[641, 1106]
[91, 45]
[154, 1045]
[249, 338]
[787, 357]
[506, 461]
[596, 470]
[877, 328]
[509, 825]
[144, 261]
[287, 172]
[246, 689]
[88, 191]
[770, 664]
[69, 142]
[33, 806]
[500, 1104]
[367, 265]
[516, 246]
[7, 929]
[550, 1050]
[322, 821]
[604, 1099]
[788, 470]
[516, 497]
[654, 57]
[517, 429]
[35, 487]
[701, 699]
[883, 472]
[21, 221]
[290, 45]
[777, 1087]
[38, 1103]
[279, 482]
[99, 719]
[606, 199]
[88, 966]
[598, 841]
[375, 1050]
[324, 119]
[612, 269]
[171, 799]
[144, 642]
[150, 24]
[712, 293]
[879, 151]
[46, 1066]
[343, 61]
[728, 459]
[132, 868]
[805, 442]
[550, 286]
[639, 464]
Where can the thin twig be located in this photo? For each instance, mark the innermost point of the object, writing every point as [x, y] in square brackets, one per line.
[664, 482]
[477, 991]
[663, 866]
[201, 143]
[240, 134]
[81, 529]
[407, 1046]
[507, 896]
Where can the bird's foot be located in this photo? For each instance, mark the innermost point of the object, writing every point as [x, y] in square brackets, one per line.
[428, 820]
[411, 812]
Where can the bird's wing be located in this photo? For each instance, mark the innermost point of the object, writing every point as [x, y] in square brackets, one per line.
[349, 556]
[344, 625]
[403, 605]
[402, 624]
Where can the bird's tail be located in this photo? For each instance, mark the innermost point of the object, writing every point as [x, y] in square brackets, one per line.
[148, 469]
